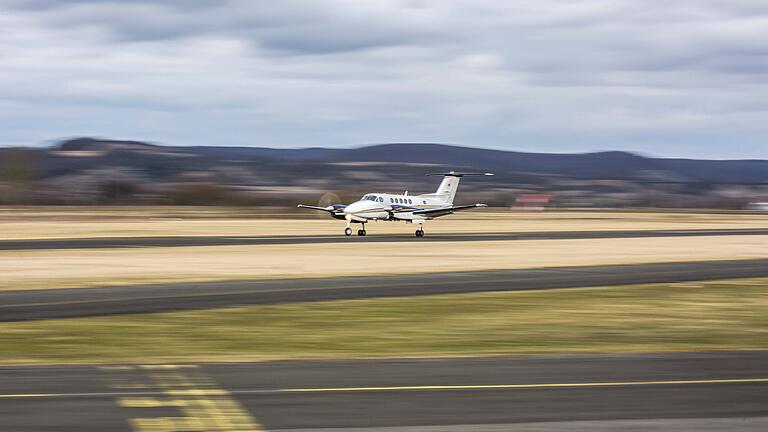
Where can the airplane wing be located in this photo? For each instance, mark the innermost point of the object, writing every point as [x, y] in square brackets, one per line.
[445, 210]
[330, 209]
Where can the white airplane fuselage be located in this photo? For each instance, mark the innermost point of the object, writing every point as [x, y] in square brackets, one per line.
[383, 206]
[401, 207]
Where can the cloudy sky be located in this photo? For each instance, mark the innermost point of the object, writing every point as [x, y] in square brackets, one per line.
[671, 78]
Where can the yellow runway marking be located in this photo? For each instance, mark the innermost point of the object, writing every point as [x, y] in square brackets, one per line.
[178, 393]
[524, 386]
[203, 406]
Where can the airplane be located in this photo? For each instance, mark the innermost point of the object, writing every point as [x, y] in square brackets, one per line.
[407, 208]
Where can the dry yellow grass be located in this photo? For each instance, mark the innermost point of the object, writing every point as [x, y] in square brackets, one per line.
[82, 268]
[29, 223]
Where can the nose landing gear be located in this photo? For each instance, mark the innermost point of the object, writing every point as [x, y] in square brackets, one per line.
[361, 232]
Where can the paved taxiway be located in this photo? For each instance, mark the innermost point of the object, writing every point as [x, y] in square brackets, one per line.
[134, 242]
[67, 303]
[685, 391]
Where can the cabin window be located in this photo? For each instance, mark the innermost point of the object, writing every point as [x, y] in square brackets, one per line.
[390, 200]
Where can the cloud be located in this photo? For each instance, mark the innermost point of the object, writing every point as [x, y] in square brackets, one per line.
[675, 78]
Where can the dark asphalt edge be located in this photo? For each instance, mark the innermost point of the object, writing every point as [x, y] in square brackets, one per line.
[107, 301]
[187, 241]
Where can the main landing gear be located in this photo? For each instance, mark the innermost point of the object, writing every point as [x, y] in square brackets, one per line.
[361, 232]
[348, 231]
[420, 231]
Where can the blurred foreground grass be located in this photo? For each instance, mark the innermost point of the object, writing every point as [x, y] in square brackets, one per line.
[721, 315]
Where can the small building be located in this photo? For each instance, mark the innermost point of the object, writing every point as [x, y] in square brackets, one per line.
[531, 201]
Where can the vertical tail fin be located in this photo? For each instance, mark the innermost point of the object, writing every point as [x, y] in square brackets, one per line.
[447, 188]
[450, 183]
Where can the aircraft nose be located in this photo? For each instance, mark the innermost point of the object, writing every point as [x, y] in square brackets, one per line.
[355, 206]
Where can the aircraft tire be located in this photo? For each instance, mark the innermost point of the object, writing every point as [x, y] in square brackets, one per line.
[348, 232]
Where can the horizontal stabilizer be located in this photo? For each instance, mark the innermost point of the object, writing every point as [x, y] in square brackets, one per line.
[459, 174]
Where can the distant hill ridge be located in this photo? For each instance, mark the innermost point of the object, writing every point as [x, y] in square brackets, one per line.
[598, 165]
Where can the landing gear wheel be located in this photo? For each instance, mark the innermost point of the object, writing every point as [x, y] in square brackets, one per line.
[361, 233]
[348, 232]
[419, 233]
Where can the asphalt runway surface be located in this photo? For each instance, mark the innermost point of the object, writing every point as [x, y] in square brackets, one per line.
[70, 303]
[137, 242]
[664, 392]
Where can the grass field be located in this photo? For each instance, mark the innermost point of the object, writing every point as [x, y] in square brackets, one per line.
[74, 222]
[718, 315]
[94, 267]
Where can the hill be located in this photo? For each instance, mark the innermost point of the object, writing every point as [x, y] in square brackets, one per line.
[102, 169]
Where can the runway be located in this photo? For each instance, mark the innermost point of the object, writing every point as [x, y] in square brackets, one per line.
[70, 303]
[139, 242]
[669, 392]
